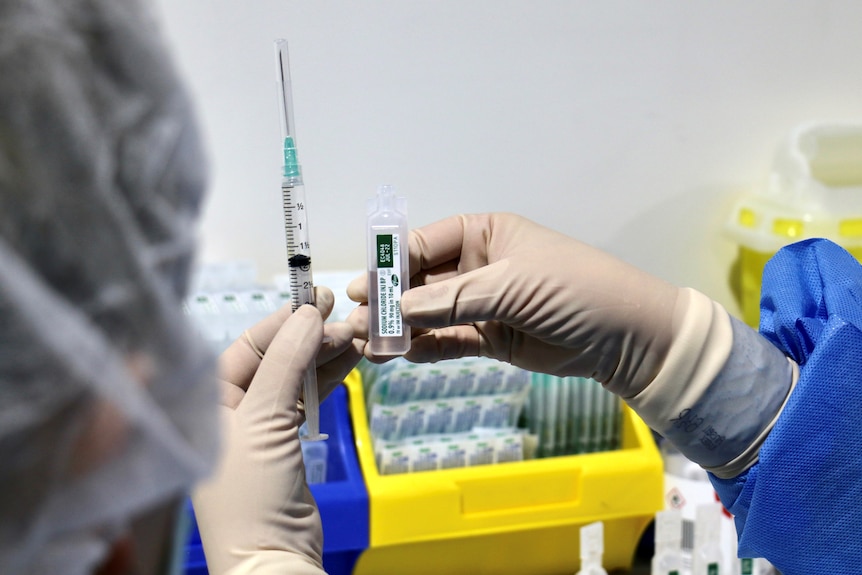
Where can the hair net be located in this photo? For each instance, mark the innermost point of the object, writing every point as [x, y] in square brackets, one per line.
[106, 400]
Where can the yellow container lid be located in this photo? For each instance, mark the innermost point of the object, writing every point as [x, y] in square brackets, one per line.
[814, 190]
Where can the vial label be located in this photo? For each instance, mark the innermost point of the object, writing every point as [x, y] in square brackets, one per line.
[389, 285]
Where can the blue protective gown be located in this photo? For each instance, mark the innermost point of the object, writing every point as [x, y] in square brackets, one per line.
[800, 506]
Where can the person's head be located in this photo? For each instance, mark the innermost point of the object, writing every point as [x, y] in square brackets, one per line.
[106, 407]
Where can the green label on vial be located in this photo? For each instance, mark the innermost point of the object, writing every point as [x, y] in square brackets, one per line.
[388, 285]
[674, 572]
[712, 569]
[747, 566]
[384, 251]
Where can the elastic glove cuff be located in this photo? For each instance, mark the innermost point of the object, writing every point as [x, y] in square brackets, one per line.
[720, 389]
[276, 563]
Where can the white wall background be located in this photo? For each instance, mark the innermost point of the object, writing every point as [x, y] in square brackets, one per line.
[628, 124]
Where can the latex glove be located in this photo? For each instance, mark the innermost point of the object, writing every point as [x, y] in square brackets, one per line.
[257, 515]
[501, 286]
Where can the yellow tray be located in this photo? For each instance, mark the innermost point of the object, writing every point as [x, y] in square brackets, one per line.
[510, 518]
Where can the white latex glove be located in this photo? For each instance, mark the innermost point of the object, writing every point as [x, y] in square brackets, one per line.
[501, 286]
[257, 515]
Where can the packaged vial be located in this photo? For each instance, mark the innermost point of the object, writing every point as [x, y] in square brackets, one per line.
[490, 380]
[394, 461]
[461, 381]
[707, 556]
[431, 384]
[480, 450]
[424, 457]
[510, 447]
[388, 273]
[516, 379]
[384, 421]
[209, 320]
[454, 455]
[573, 420]
[314, 455]
[440, 416]
[467, 411]
[412, 420]
[402, 386]
[585, 400]
[592, 549]
[548, 438]
[563, 409]
[258, 303]
[668, 543]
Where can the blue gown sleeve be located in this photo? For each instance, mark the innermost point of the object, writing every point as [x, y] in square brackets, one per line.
[800, 506]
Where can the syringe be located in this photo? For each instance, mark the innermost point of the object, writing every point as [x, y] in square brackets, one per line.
[296, 229]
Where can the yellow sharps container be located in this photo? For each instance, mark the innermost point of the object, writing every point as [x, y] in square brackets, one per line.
[814, 190]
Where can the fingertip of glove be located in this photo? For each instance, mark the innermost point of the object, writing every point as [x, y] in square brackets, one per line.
[417, 307]
[324, 299]
[357, 289]
[309, 314]
[423, 349]
[410, 300]
[340, 332]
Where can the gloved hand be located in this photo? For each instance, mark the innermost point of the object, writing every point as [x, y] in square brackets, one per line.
[257, 515]
[501, 286]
